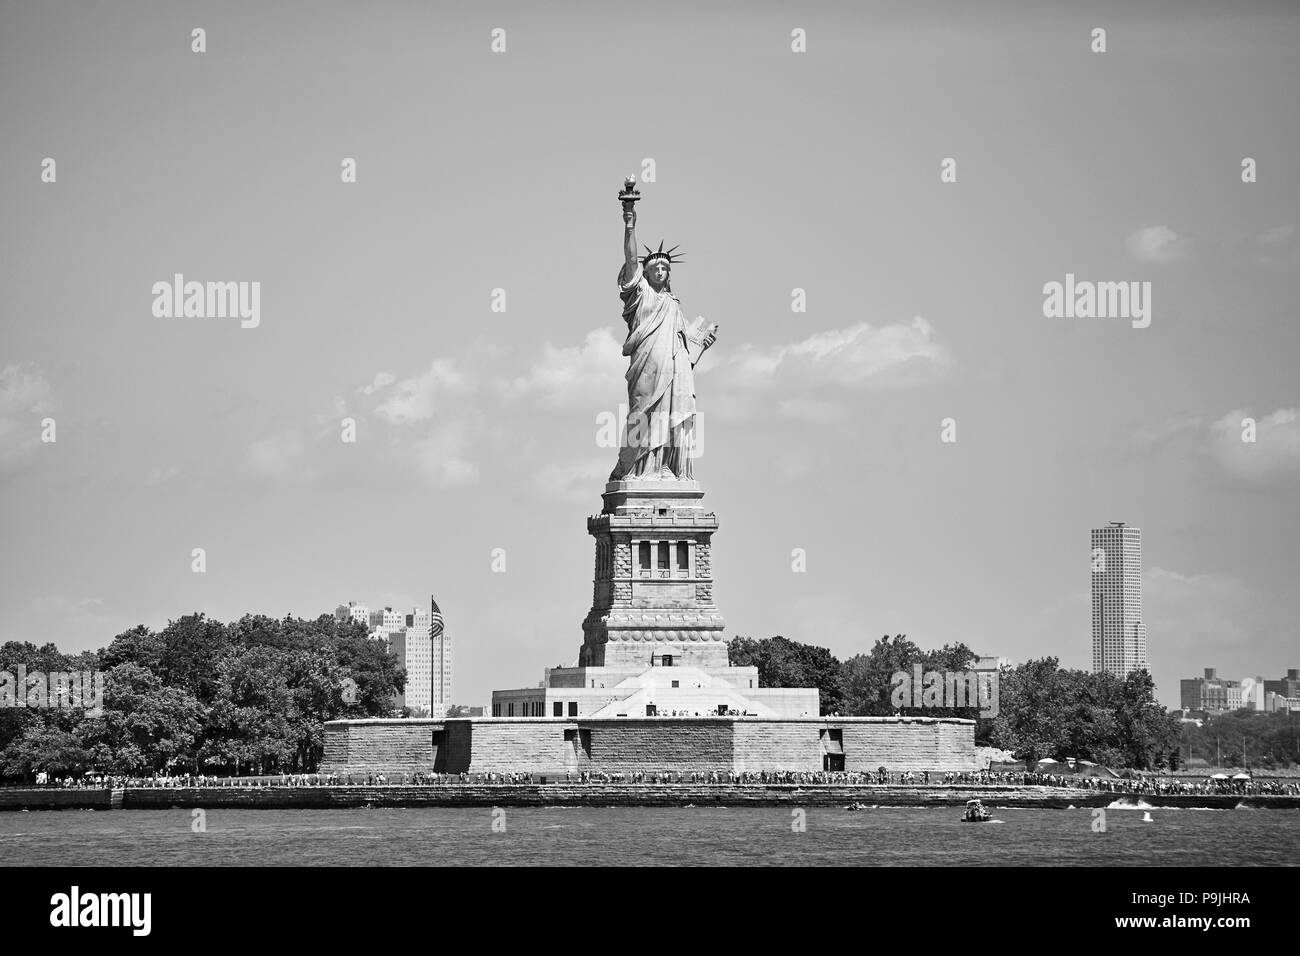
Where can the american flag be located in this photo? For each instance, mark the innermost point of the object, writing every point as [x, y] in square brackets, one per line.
[435, 619]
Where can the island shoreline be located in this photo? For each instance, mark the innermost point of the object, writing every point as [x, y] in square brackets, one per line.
[615, 795]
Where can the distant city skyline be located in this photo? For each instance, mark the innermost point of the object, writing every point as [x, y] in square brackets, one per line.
[422, 644]
[1211, 693]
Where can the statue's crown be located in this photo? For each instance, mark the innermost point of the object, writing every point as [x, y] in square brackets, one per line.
[652, 254]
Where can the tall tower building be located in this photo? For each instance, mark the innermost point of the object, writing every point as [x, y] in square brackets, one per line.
[416, 657]
[1119, 635]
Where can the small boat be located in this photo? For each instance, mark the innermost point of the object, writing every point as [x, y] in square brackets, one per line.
[976, 813]
[857, 806]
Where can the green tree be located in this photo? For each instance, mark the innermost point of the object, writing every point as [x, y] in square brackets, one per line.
[1032, 700]
[44, 747]
[785, 663]
[1146, 732]
[868, 678]
[145, 726]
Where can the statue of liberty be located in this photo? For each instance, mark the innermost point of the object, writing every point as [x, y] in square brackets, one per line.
[659, 440]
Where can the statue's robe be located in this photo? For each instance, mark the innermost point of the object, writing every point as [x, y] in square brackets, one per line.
[663, 351]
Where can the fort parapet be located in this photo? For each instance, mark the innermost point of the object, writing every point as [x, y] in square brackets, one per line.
[555, 745]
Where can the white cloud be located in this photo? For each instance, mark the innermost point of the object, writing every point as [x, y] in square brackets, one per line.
[1172, 430]
[443, 455]
[1274, 453]
[417, 399]
[422, 425]
[58, 613]
[159, 476]
[382, 380]
[25, 398]
[860, 356]
[590, 375]
[569, 378]
[1157, 244]
[279, 456]
[575, 481]
[809, 410]
[1277, 234]
[1278, 246]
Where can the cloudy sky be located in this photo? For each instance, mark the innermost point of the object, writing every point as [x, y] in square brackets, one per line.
[775, 171]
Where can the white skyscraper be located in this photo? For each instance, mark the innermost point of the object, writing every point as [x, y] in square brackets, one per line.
[1119, 635]
[417, 657]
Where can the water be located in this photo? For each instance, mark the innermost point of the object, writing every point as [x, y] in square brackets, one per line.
[736, 836]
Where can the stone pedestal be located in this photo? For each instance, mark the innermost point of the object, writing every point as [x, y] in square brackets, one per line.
[653, 597]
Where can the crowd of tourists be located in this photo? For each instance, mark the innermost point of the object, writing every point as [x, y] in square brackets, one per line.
[882, 777]
[1162, 785]
[97, 781]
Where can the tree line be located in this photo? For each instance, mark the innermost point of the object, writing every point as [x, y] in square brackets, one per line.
[200, 696]
[1244, 738]
[1043, 709]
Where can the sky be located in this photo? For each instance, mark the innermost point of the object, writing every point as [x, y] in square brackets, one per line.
[775, 170]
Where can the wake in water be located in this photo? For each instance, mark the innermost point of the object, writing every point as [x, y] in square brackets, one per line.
[1128, 803]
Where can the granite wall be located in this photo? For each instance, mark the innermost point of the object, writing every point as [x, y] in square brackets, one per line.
[556, 745]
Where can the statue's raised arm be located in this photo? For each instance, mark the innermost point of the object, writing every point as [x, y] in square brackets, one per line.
[629, 197]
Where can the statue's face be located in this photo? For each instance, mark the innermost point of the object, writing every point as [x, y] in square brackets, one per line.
[658, 274]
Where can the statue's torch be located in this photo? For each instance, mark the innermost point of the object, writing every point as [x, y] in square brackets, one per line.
[630, 195]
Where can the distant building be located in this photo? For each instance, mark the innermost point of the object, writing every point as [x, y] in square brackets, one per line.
[357, 612]
[1253, 694]
[422, 646]
[1213, 694]
[417, 657]
[411, 648]
[460, 710]
[1119, 635]
[1288, 686]
[1276, 702]
[387, 620]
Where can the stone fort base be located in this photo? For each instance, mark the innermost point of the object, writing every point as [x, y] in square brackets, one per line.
[558, 745]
